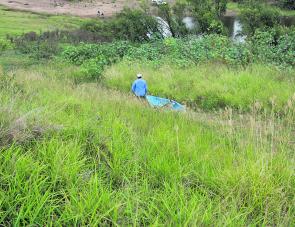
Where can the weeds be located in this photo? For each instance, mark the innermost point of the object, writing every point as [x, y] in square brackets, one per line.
[209, 86]
[133, 165]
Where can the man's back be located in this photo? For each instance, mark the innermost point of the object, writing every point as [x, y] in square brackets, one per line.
[139, 87]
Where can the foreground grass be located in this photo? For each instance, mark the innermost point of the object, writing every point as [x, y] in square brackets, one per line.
[17, 22]
[82, 155]
[210, 86]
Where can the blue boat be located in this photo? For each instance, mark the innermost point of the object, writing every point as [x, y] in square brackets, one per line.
[155, 101]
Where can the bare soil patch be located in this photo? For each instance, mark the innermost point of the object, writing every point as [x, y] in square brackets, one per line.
[90, 8]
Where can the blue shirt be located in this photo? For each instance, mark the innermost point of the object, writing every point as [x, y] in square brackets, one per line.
[139, 87]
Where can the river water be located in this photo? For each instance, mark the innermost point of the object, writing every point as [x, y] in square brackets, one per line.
[232, 23]
[234, 26]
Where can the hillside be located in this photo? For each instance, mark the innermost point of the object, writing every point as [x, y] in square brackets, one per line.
[77, 148]
[83, 155]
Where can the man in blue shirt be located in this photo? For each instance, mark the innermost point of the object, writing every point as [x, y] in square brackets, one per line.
[139, 87]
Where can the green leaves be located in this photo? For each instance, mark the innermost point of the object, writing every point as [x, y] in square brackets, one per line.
[274, 46]
[255, 15]
[271, 47]
[4, 45]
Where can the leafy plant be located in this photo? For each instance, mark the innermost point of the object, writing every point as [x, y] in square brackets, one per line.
[272, 47]
[255, 15]
[275, 48]
[4, 45]
[133, 25]
[287, 4]
[36, 46]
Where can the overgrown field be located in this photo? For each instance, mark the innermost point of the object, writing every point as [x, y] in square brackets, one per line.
[77, 149]
[210, 86]
[81, 154]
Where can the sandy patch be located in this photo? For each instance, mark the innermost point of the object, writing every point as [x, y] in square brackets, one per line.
[90, 8]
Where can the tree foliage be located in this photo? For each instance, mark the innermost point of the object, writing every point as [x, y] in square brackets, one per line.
[258, 15]
[208, 14]
[288, 4]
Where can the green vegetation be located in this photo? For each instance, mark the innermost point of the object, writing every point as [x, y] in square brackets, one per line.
[77, 149]
[210, 86]
[285, 12]
[234, 7]
[83, 155]
[286, 4]
[186, 53]
[16, 23]
[255, 16]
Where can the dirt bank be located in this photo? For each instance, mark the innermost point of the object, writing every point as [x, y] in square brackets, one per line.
[91, 8]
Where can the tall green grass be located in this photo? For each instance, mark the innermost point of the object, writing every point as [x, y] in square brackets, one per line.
[84, 155]
[209, 86]
[13, 22]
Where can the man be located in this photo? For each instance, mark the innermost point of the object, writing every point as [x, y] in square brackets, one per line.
[139, 87]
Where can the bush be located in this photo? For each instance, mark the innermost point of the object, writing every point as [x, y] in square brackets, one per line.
[36, 46]
[287, 4]
[208, 15]
[94, 57]
[93, 68]
[174, 16]
[275, 46]
[254, 16]
[134, 25]
[4, 45]
[131, 25]
[109, 51]
[182, 52]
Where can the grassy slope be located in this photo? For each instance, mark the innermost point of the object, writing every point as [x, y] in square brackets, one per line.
[233, 6]
[86, 155]
[15, 22]
[209, 86]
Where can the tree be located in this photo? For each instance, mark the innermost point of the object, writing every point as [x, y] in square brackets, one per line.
[220, 7]
[208, 13]
[257, 15]
[287, 4]
[216, 7]
[174, 16]
[134, 25]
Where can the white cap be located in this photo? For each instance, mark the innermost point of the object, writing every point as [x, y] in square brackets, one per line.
[139, 75]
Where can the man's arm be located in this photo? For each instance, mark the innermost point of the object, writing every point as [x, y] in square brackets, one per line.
[146, 88]
[133, 87]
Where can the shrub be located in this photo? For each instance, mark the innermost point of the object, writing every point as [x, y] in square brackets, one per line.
[254, 16]
[4, 45]
[173, 16]
[94, 57]
[208, 15]
[275, 46]
[182, 52]
[287, 4]
[36, 46]
[93, 68]
[134, 25]
[110, 51]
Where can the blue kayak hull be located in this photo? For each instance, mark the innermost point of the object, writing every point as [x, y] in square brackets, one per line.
[155, 101]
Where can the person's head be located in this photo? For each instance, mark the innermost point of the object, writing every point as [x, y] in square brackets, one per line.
[139, 76]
